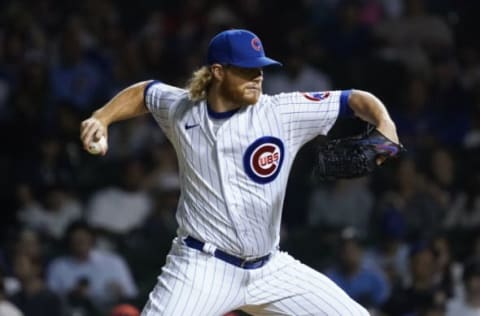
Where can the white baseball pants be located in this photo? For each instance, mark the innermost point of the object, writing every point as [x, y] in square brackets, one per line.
[196, 283]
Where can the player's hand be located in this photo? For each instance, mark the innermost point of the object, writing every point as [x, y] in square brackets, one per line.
[91, 130]
[355, 156]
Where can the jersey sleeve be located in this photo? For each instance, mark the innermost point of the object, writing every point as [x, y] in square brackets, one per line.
[305, 115]
[160, 100]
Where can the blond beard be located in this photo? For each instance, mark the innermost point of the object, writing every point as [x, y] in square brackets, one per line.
[236, 95]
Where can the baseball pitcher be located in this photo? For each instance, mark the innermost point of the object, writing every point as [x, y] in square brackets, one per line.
[235, 148]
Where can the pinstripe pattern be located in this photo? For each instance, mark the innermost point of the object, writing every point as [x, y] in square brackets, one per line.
[219, 202]
[195, 283]
[287, 287]
[233, 187]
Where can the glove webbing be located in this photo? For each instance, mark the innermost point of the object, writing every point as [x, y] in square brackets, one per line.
[349, 162]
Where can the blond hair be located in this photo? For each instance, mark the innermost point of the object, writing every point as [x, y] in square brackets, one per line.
[199, 83]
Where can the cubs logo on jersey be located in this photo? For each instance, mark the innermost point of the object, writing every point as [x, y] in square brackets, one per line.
[263, 159]
[316, 96]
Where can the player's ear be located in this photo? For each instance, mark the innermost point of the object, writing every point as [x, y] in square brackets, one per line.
[218, 71]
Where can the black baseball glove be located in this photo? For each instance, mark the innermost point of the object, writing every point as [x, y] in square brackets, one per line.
[354, 156]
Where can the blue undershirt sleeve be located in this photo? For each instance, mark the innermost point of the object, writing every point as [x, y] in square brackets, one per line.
[345, 109]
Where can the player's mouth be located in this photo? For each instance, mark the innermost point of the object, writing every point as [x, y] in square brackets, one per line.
[253, 88]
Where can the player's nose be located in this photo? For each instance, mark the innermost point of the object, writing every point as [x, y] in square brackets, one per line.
[258, 74]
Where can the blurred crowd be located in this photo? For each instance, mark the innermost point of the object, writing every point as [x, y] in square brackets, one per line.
[82, 235]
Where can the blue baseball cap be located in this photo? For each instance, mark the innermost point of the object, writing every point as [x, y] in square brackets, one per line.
[239, 48]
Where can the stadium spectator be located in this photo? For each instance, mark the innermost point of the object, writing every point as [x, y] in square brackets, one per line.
[124, 310]
[363, 283]
[413, 115]
[345, 203]
[469, 305]
[34, 298]
[88, 274]
[423, 293]
[52, 217]
[414, 36]
[6, 307]
[411, 199]
[448, 268]
[121, 208]
[465, 216]
[74, 78]
[390, 252]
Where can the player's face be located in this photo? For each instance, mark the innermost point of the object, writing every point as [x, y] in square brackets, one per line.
[243, 86]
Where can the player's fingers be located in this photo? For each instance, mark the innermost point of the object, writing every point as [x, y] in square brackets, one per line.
[104, 151]
[98, 134]
[85, 128]
[86, 134]
[380, 160]
[87, 123]
[93, 130]
[89, 134]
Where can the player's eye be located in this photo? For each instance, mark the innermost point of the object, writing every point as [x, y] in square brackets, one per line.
[248, 73]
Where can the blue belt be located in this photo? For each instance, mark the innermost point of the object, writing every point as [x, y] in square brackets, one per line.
[236, 261]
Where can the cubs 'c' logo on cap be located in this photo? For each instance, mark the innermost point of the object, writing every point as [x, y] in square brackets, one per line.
[263, 159]
[316, 96]
[256, 44]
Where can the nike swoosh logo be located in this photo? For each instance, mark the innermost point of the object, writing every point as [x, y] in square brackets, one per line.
[190, 126]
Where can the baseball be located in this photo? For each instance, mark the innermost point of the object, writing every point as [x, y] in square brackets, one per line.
[97, 147]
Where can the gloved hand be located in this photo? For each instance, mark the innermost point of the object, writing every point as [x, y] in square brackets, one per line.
[354, 157]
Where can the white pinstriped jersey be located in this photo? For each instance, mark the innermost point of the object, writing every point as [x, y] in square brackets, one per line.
[234, 181]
